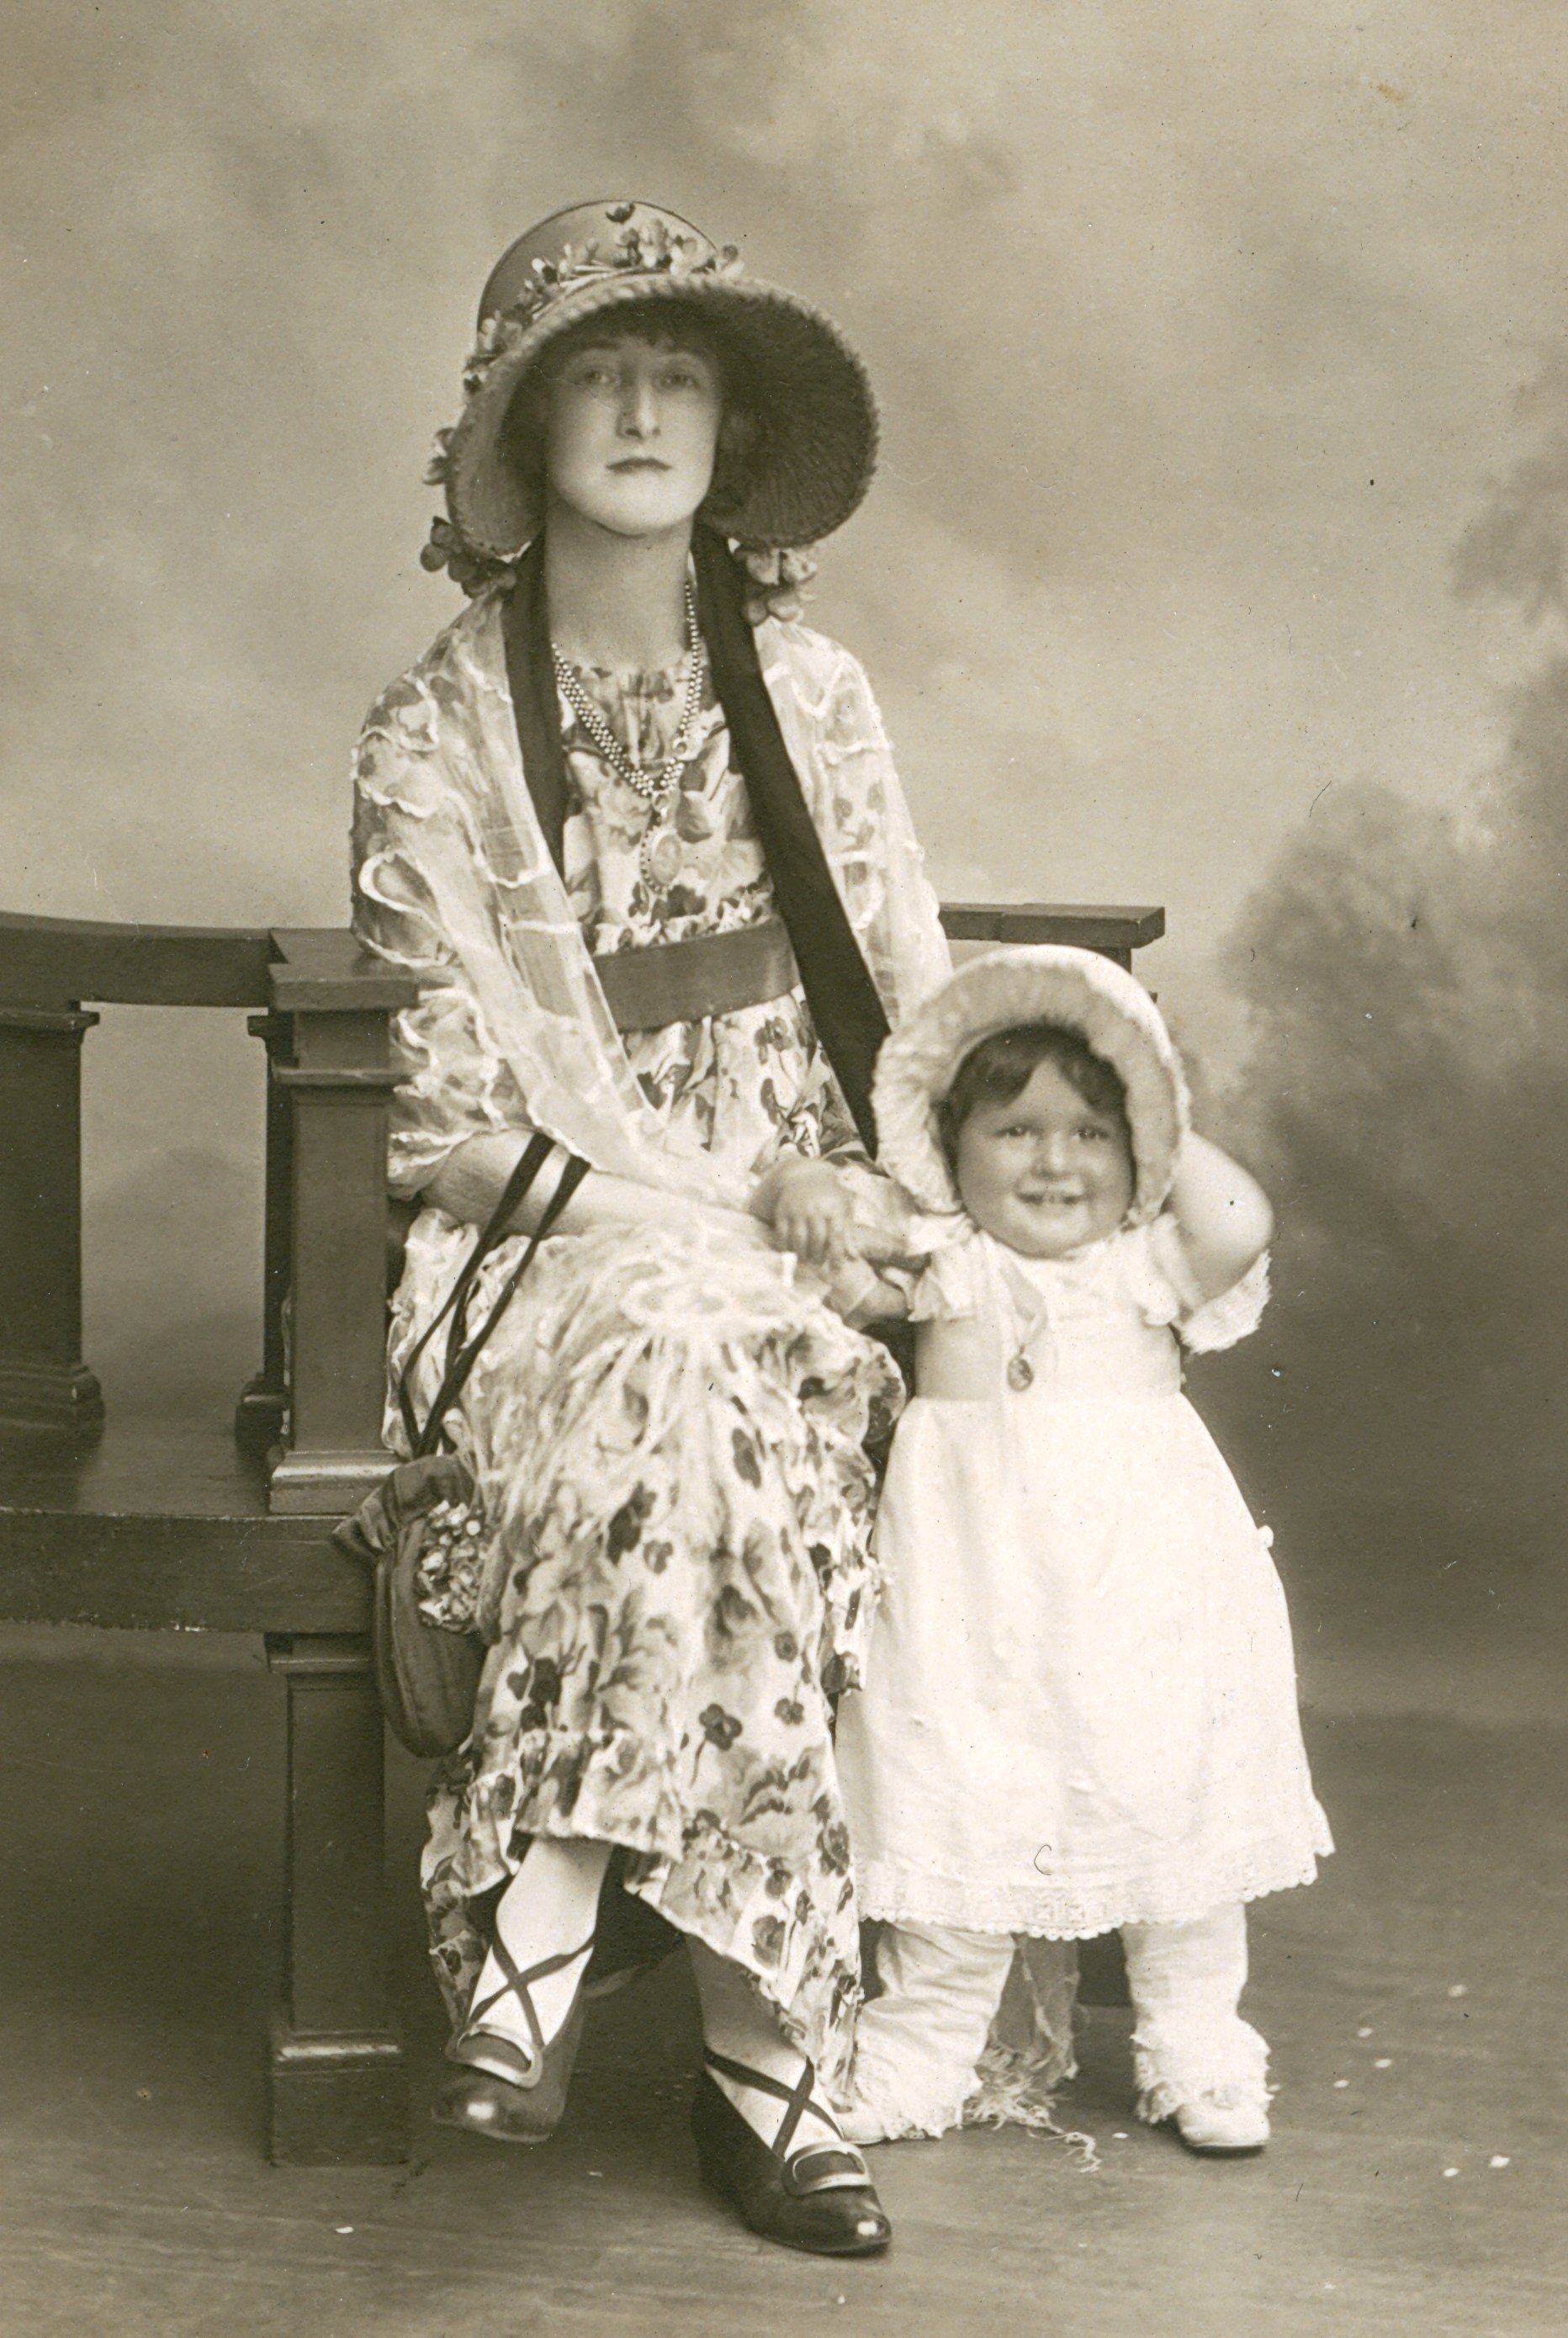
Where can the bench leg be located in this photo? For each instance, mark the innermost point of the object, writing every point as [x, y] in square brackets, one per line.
[338, 2088]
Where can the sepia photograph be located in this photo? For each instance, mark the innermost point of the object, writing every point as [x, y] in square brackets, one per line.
[783, 1068]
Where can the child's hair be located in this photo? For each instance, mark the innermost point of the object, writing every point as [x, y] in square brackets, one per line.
[1001, 1066]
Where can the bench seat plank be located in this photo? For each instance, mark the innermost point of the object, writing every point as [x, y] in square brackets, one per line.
[164, 1524]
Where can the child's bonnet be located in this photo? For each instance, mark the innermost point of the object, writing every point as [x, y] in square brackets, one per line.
[1118, 1021]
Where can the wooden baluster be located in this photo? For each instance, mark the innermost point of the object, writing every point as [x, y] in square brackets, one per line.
[43, 1380]
[260, 1416]
[338, 2083]
[338, 1081]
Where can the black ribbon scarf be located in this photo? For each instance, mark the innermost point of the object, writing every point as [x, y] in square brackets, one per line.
[846, 1009]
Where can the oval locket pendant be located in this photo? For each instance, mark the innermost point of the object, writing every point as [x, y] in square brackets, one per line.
[1020, 1372]
[661, 862]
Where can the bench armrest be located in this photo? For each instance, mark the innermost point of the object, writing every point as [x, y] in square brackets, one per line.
[1115, 931]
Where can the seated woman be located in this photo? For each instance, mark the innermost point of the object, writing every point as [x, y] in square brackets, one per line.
[643, 840]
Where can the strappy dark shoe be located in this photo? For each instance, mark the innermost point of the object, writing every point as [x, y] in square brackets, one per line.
[819, 2197]
[515, 2094]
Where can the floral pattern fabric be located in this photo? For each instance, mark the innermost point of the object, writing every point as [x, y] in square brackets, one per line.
[668, 1432]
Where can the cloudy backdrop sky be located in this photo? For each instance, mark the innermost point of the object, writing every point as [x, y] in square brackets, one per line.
[1205, 336]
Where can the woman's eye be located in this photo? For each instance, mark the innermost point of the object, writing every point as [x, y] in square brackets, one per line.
[1090, 1134]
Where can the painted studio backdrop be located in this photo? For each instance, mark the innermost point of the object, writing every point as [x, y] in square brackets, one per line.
[1217, 559]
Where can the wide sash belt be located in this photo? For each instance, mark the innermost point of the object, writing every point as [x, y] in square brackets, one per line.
[708, 974]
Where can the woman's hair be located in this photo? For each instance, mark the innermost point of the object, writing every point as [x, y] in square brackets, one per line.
[666, 324]
[1001, 1066]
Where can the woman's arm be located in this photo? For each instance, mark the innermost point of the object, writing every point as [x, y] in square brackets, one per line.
[469, 1184]
[1221, 1214]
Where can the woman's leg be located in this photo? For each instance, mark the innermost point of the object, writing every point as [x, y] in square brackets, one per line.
[514, 2050]
[1196, 2060]
[740, 2024]
[546, 1912]
[918, 2045]
[766, 2138]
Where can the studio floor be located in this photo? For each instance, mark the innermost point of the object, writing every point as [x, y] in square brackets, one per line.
[1414, 2001]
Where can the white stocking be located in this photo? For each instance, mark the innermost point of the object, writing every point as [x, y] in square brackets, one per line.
[918, 2043]
[1189, 2040]
[549, 1907]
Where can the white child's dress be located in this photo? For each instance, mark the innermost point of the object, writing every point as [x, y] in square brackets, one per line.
[1081, 1702]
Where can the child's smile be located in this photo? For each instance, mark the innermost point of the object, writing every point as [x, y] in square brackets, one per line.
[1044, 1173]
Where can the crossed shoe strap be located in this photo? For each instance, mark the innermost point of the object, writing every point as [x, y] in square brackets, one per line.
[518, 1983]
[816, 2166]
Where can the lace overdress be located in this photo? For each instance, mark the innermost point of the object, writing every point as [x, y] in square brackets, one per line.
[667, 1433]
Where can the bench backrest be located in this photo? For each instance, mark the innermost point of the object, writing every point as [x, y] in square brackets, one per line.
[322, 1009]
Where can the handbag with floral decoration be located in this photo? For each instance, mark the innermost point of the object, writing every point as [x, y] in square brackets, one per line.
[426, 1674]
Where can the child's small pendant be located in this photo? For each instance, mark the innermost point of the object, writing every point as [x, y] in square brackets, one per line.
[1020, 1372]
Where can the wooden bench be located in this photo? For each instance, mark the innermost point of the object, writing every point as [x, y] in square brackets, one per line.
[224, 1524]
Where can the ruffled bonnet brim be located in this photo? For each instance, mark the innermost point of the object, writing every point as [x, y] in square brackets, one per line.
[1045, 982]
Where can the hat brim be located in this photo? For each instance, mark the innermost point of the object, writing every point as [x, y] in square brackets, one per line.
[818, 414]
[1046, 982]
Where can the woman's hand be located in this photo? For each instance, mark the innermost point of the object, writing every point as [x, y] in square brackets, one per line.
[810, 1211]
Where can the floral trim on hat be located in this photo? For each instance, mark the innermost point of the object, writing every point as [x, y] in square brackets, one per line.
[779, 579]
[651, 248]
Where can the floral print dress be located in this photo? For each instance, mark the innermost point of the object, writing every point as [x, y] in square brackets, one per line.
[668, 1433]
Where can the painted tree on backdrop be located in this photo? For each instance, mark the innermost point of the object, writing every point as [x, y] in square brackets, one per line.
[1406, 1102]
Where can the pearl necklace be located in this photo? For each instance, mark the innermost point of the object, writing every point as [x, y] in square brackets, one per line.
[654, 782]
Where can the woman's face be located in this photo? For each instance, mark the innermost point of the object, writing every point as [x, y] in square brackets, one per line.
[1045, 1172]
[630, 431]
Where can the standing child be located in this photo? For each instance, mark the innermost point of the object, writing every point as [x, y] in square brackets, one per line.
[1079, 1712]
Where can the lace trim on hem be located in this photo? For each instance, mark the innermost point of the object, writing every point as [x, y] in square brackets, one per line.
[1014, 2089]
[1227, 2065]
[895, 1896]
[1011, 2086]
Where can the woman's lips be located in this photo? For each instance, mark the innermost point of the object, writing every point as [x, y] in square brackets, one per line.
[640, 463]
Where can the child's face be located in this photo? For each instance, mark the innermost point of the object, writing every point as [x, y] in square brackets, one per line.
[1047, 1173]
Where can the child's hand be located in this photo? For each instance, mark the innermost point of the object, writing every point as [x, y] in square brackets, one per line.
[810, 1211]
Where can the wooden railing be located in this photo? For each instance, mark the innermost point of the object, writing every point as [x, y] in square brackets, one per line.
[322, 1008]
[325, 1008]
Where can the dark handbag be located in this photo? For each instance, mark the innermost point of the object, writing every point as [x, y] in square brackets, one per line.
[428, 1676]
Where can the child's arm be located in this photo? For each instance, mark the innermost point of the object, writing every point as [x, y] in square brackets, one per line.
[863, 1296]
[1221, 1214]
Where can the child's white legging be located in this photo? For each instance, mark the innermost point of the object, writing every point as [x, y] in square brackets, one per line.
[918, 2043]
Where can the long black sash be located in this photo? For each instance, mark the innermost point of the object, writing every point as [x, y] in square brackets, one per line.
[845, 1007]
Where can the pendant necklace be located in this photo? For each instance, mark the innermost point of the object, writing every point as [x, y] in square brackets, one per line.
[654, 782]
[1023, 1307]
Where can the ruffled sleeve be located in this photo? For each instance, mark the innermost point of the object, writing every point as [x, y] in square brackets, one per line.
[952, 1282]
[1167, 1293]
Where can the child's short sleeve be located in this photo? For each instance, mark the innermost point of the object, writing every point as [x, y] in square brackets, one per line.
[951, 1283]
[1167, 1293]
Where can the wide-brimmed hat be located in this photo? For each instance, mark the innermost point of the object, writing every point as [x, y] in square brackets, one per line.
[819, 419]
[1044, 983]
